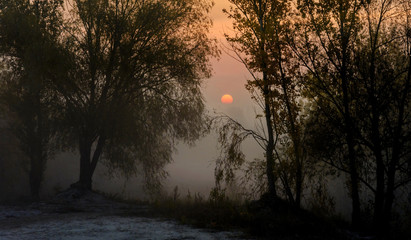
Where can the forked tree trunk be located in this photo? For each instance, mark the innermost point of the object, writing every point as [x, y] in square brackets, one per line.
[85, 180]
[88, 162]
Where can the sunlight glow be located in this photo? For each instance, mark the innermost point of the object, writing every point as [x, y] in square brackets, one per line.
[227, 99]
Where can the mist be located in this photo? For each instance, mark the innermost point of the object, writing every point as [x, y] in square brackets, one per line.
[192, 169]
[117, 105]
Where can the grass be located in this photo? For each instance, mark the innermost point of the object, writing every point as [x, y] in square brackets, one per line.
[267, 218]
[199, 212]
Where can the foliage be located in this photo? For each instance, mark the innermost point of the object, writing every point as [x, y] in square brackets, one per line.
[215, 212]
[357, 62]
[140, 66]
[29, 50]
[230, 138]
[333, 81]
[255, 218]
[260, 42]
[254, 181]
[123, 79]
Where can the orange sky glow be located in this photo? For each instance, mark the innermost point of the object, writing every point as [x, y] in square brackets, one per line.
[193, 167]
[229, 76]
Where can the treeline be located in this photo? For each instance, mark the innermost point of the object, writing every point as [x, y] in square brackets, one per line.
[116, 80]
[332, 79]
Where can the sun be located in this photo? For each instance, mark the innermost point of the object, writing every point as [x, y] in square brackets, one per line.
[227, 99]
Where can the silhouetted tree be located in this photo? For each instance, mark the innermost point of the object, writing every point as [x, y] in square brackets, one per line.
[325, 44]
[134, 87]
[28, 37]
[376, 94]
[126, 76]
[260, 42]
[383, 68]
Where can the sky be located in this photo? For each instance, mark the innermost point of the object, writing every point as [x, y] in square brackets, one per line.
[193, 167]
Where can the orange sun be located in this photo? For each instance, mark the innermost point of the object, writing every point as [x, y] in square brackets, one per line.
[227, 99]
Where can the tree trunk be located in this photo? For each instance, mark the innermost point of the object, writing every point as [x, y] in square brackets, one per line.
[287, 188]
[384, 221]
[377, 150]
[355, 217]
[355, 196]
[36, 152]
[376, 141]
[293, 132]
[354, 179]
[270, 146]
[348, 122]
[85, 181]
[397, 149]
[88, 162]
[266, 91]
[36, 176]
[380, 192]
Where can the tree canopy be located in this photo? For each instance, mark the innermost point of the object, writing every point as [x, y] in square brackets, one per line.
[332, 78]
[128, 85]
[136, 80]
[28, 34]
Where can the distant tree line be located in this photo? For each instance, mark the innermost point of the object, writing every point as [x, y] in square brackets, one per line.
[117, 80]
[332, 79]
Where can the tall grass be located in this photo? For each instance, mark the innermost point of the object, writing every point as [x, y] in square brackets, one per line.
[218, 212]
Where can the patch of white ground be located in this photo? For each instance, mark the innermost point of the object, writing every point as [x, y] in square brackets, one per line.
[86, 226]
[7, 212]
[84, 215]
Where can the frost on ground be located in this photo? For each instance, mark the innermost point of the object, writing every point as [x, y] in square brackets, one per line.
[84, 227]
[83, 216]
[17, 212]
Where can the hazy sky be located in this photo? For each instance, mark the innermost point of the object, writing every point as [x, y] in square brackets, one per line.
[193, 167]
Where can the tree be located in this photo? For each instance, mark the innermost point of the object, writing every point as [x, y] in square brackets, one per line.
[371, 97]
[134, 85]
[261, 44]
[382, 63]
[28, 37]
[328, 31]
[251, 22]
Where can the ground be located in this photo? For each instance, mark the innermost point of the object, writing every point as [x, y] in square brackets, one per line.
[91, 216]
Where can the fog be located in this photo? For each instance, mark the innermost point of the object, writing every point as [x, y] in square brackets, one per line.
[193, 166]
